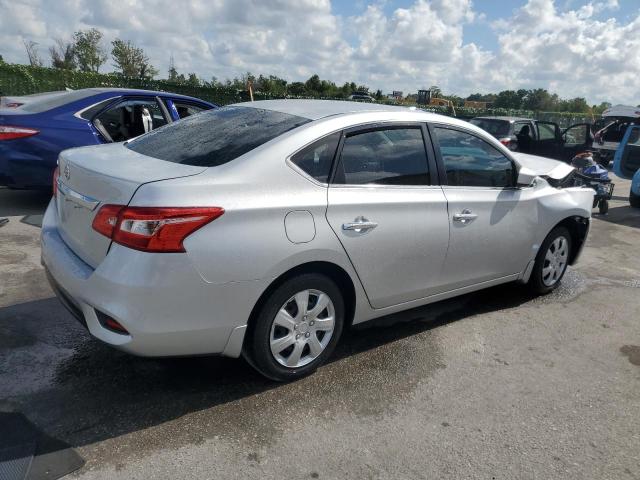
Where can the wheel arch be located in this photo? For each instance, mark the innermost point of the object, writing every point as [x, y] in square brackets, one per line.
[578, 227]
[331, 270]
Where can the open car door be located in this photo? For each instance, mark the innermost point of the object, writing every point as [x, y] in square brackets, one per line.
[626, 162]
[575, 139]
[549, 140]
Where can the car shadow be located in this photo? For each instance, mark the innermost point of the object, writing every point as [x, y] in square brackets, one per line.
[623, 215]
[28, 204]
[83, 392]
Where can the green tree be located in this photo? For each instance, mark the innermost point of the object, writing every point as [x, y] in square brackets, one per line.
[510, 99]
[90, 54]
[297, 88]
[1, 59]
[193, 80]
[435, 91]
[131, 60]
[63, 55]
[313, 85]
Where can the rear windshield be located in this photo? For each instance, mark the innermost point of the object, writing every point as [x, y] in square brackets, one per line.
[215, 137]
[46, 101]
[497, 128]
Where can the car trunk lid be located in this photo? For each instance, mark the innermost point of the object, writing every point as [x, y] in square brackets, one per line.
[90, 177]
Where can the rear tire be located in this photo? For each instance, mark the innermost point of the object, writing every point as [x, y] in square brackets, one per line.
[634, 200]
[297, 328]
[603, 206]
[551, 261]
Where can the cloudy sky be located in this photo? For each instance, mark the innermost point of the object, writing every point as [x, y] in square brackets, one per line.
[587, 48]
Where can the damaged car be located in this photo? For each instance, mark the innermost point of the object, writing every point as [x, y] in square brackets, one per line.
[265, 229]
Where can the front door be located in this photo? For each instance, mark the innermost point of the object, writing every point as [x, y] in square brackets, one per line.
[388, 214]
[548, 142]
[492, 222]
[575, 139]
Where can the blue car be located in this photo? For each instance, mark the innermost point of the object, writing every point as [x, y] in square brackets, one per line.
[34, 129]
[626, 162]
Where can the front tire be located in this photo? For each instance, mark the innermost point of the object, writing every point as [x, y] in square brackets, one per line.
[551, 261]
[297, 328]
[634, 200]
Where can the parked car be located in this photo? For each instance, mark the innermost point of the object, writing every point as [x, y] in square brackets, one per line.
[266, 228]
[34, 129]
[611, 128]
[626, 163]
[537, 137]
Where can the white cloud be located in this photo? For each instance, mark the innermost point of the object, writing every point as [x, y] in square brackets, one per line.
[573, 50]
[570, 52]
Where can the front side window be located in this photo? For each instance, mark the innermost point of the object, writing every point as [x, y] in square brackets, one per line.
[315, 160]
[471, 162]
[392, 156]
[216, 136]
[546, 131]
[130, 119]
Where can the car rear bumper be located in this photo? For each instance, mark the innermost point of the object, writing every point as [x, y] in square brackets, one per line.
[161, 299]
[25, 171]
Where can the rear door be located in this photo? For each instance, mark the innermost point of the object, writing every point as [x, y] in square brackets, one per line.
[388, 212]
[575, 139]
[627, 158]
[492, 221]
[548, 140]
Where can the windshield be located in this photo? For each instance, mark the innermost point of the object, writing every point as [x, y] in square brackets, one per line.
[215, 137]
[497, 128]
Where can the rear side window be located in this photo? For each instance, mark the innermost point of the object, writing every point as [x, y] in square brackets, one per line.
[546, 131]
[386, 156]
[187, 109]
[215, 137]
[497, 128]
[471, 162]
[315, 160]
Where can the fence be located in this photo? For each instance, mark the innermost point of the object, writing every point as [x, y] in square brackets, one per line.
[25, 80]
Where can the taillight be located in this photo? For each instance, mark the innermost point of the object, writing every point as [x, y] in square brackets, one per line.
[152, 229]
[56, 175]
[507, 142]
[8, 132]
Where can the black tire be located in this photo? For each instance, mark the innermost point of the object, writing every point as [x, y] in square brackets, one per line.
[536, 281]
[257, 346]
[634, 200]
[603, 206]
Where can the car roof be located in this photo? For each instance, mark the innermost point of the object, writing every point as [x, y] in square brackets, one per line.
[503, 117]
[317, 109]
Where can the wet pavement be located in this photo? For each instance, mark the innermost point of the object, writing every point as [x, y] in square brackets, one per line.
[495, 384]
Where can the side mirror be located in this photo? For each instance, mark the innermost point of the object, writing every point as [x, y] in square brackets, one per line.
[525, 177]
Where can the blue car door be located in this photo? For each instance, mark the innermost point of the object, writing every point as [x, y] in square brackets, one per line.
[626, 162]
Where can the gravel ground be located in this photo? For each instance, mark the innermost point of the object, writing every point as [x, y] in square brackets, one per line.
[495, 384]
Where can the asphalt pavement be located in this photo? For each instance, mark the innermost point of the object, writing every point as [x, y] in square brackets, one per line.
[496, 384]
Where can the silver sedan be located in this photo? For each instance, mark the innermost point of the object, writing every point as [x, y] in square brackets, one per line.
[264, 229]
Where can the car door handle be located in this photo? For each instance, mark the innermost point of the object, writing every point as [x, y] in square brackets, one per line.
[464, 217]
[360, 224]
